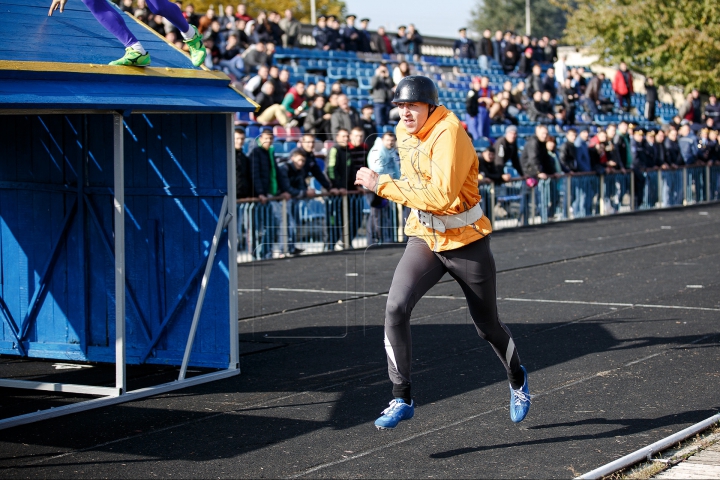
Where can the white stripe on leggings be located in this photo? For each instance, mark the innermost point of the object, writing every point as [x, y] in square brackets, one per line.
[509, 351]
[390, 352]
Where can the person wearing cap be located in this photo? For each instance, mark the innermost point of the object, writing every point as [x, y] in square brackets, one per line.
[464, 47]
[364, 42]
[526, 63]
[399, 42]
[350, 35]
[687, 143]
[448, 234]
[320, 34]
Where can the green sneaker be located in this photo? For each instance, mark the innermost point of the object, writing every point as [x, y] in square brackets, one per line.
[197, 49]
[133, 58]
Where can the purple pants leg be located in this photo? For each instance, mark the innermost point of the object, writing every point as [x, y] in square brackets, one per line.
[170, 11]
[110, 18]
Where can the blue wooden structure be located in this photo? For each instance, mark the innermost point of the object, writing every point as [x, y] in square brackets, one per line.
[117, 243]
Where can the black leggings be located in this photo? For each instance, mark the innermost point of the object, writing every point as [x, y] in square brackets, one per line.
[473, 267]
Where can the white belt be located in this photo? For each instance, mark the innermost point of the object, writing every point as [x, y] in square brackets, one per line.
[441, 223]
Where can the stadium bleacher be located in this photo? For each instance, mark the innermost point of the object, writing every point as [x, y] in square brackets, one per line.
[355, 71]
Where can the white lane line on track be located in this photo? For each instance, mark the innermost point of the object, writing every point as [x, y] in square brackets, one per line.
[340, 292]
[472, 417]
[610, 304]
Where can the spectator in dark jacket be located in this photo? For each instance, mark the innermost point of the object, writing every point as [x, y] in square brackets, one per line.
[712, 109]
[638, 150]
[317, 122]
[582, 154]
[344, 116]
[697, 106]
[380, 42]
[622, 145]
[506, 150]
[312, 167]
[688, 144]
[243, 174]
[485, 49]
[526, 63]
[464, 47]
[350, 35]
[321, 35]
[673, 157]
[534, 81]
[570, 99]
[567, 155]
[382, 93]
[368, 124]
[413, 40]
[549, 83]
[291, 179]
[651, 97]
[489, 170]
[535, 160]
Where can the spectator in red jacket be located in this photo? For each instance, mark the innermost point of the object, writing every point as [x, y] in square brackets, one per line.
[623, 86]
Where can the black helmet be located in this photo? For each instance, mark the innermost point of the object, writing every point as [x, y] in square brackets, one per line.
[416, 88]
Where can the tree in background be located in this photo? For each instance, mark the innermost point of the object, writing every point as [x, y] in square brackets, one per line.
[677, 43]
[300, 9]
[546, 18]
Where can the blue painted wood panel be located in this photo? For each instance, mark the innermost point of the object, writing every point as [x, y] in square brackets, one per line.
[167, 236]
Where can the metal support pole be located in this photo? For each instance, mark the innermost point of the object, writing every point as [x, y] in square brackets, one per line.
[685, 179]
[632, 191]
[119, 204]
[707, 183]
[533, 206]
[401, 227]
[313, 14]
[659, 189]
[491, 206]
[568, 195]
[232, 246]
[601, 197]
[284, 227]
[203, 287]
[527, 18]
[346, 222]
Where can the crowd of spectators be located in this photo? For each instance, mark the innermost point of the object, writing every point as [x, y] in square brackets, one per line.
[560, 100]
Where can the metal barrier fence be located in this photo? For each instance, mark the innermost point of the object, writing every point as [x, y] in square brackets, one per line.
[279, 227]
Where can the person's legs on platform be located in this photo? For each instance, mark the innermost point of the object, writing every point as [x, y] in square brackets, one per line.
[110, 18]
[191, 36]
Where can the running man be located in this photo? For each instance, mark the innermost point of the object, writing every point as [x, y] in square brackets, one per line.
[448, 234]
[135, 55]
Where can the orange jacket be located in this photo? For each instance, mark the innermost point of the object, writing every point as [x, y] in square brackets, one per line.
[439, 174]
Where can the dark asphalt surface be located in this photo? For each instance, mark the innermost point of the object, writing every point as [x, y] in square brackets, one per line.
[613, 368]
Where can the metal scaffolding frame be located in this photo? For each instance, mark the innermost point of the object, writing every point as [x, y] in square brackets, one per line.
[119, 394]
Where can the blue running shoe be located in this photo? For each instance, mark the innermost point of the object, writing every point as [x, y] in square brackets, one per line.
[520, 400]
[395, 413]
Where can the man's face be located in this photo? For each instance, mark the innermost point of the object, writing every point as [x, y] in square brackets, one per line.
[638, 135]
[511, 136]
[623, 128]
[356, 138]
[611, 131]
[266, 139]
[546, 96]
[602, 136]
[713, 99]
[584, 135]
[551, 72]
[507, 86]
[536, 69]
[260, 47]
[320, 87]
[488, 156]
[695, 94]
[241, 9]
[367, 113]
[660, 136]
[274, 72]
[498, 35]
[300, 89]
[364, 25]
[413, 115]
[239, 140]
[343, 102]
[284, 75]
[342, 138]
[307, 143]
[571, 136]
[298, 161]
[484, 82]
[319, 102]
[270, 48]
[389, 142]
[672, 135]
[321, 22]
[537, 96]
[288, 14]
[381, 31]
[541, 133]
